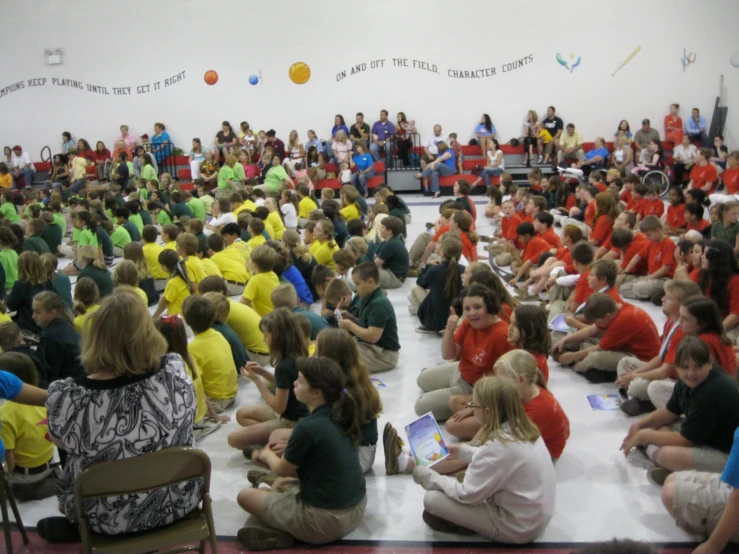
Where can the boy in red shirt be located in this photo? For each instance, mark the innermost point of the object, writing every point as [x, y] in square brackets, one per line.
[674, 220]
[643, 380]
[730, 177]
[601, 278]
[624, 330]
[596, 180]
[625, 220]
[627, 199]
[533, 247]
[562, 301]
[629, 244]
[535, 176]
[694, 218]
[660, 255]
[508, 224]
[543, 222]
[583, 217]
[703, 175]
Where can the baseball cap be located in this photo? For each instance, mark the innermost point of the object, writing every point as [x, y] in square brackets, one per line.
[645, 122]
[17, 147]
[144, 136]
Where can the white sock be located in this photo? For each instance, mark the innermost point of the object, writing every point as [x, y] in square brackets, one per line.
[403, 460]
[652, 452]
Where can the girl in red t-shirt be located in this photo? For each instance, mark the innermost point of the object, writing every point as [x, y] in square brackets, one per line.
[490, 280]
[606, 212]
[700, 316]
[718, 279]
[528, 331]
[673, 221]
[462, 222]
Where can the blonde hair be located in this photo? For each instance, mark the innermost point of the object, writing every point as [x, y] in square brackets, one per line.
[293, 244]
[92, 256]
[501, 405]
[479, 267]
[517, 364]
[221, 305]
[327, 228]
[134, 252]
[125, 273]
[31, 268]
[122, 314]
[358, 246]
[284, 296]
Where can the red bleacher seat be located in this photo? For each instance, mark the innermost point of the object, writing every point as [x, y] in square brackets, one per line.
[328, 183]
[449, 180]
[187, 186]
[469, 165]
[374, 182]
[42, 166]
[331, 168]
[468, 150]
[184, 174]
[182, 160]
[379, 167]
[509, 149]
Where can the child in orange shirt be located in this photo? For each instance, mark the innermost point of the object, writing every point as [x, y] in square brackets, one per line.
[674, 220]
[543, 222]
[533, 206]
[562, 300]
[561, 263]
[606, 212]
[508, 225]
[629, 244]
[660, 255]
[533, 247]
[694, 219]
[596, 180]
[627, 200]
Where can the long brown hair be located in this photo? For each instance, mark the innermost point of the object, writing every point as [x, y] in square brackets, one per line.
[31, 269]
[291, 240]
[52, 302]
[287, 339]
[339, 346]
[464, 222]
[451, 251]
[606, 204]
[173, 330]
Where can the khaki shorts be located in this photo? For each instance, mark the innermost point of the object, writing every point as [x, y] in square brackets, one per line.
[699, 502]
[221, 404]
[287, 512]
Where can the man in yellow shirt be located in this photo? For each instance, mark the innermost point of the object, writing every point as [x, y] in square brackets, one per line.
[77, 171]
[258, 291]
[211, 354]
[28, 452]
[570, 145]
[243, 320]
[231, 264]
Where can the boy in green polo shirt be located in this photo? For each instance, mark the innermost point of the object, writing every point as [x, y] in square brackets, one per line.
[118, 236]
[8, 260]
[392, 256]
[59, 219]
[376, 327]
[34, 242]
[7, 206]
[52, 233]
[195, 204]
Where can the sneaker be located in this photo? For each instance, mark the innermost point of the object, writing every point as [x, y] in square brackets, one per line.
[256, 477]
[634, 407]
[658, 475]
[444, 526]
[429, 226]
[425, 330]
[259, 538]
[393, 447]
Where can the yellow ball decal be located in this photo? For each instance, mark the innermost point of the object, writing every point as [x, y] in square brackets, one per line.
[299, 73]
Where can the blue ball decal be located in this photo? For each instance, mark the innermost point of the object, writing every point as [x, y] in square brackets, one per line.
[253, 80]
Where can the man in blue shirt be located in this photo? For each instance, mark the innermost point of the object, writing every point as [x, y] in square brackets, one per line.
[382, 135]
[314, 141]
[695, 127]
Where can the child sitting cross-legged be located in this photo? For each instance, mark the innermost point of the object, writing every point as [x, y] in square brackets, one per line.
[375, 327]
[285, 296]
[564, 299]
[509, 461]
[707, 397]
[320, 496]
[659, 254]
[223, 309]
[258, 291]
[533, 247]
[178, 287]
[207, 420]
[211, 353]
[28, 452]
[286, 344]
[392, 256]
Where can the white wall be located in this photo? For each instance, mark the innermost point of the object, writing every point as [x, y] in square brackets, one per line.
[139, 42]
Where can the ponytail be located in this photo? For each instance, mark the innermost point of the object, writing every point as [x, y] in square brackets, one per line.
[180, 270]
[451, 285]
[327, 376]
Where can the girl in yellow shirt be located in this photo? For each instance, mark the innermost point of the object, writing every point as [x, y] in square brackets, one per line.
[178, 287]
[86, 298]
[324, 246]
[274, 218]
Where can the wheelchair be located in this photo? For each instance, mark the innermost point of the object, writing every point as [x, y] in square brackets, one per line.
[657, 178]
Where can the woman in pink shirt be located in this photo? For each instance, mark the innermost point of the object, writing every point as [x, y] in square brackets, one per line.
[128, 139]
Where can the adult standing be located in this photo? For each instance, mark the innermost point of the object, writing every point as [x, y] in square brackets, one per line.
[529, 136]
[22, 166]
[360, 131]
[102, 159]
[696, 127]
[383, 132]
[644, 136]
[674, 125]
[431, 148]
[138, 161]
[274, 177]
[67, 141]
[226, 140]
[278, 147]
[445, 164]
[485, 132]
[161, 145]
[127, 381]
[570, 145]
[554, 125]
[129, 139]
[403, 131]
[365, 169]
[339, 125]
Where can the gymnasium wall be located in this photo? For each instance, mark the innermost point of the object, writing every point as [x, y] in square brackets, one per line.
[440, 62]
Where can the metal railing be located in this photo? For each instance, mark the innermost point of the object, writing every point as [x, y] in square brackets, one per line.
[165, 158]
[407, 153]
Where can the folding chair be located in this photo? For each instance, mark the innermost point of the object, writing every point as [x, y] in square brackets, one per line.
[143, 474]
[6, 495]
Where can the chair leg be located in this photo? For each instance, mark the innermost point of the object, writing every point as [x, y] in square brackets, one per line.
[16, 513]
[6, 522]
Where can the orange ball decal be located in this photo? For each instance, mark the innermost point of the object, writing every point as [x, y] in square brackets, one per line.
[211, 77]
[299, 73]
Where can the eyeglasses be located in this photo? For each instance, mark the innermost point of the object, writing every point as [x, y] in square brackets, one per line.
[471, 405]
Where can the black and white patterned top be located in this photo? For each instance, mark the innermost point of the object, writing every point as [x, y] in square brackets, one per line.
[103, 420]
